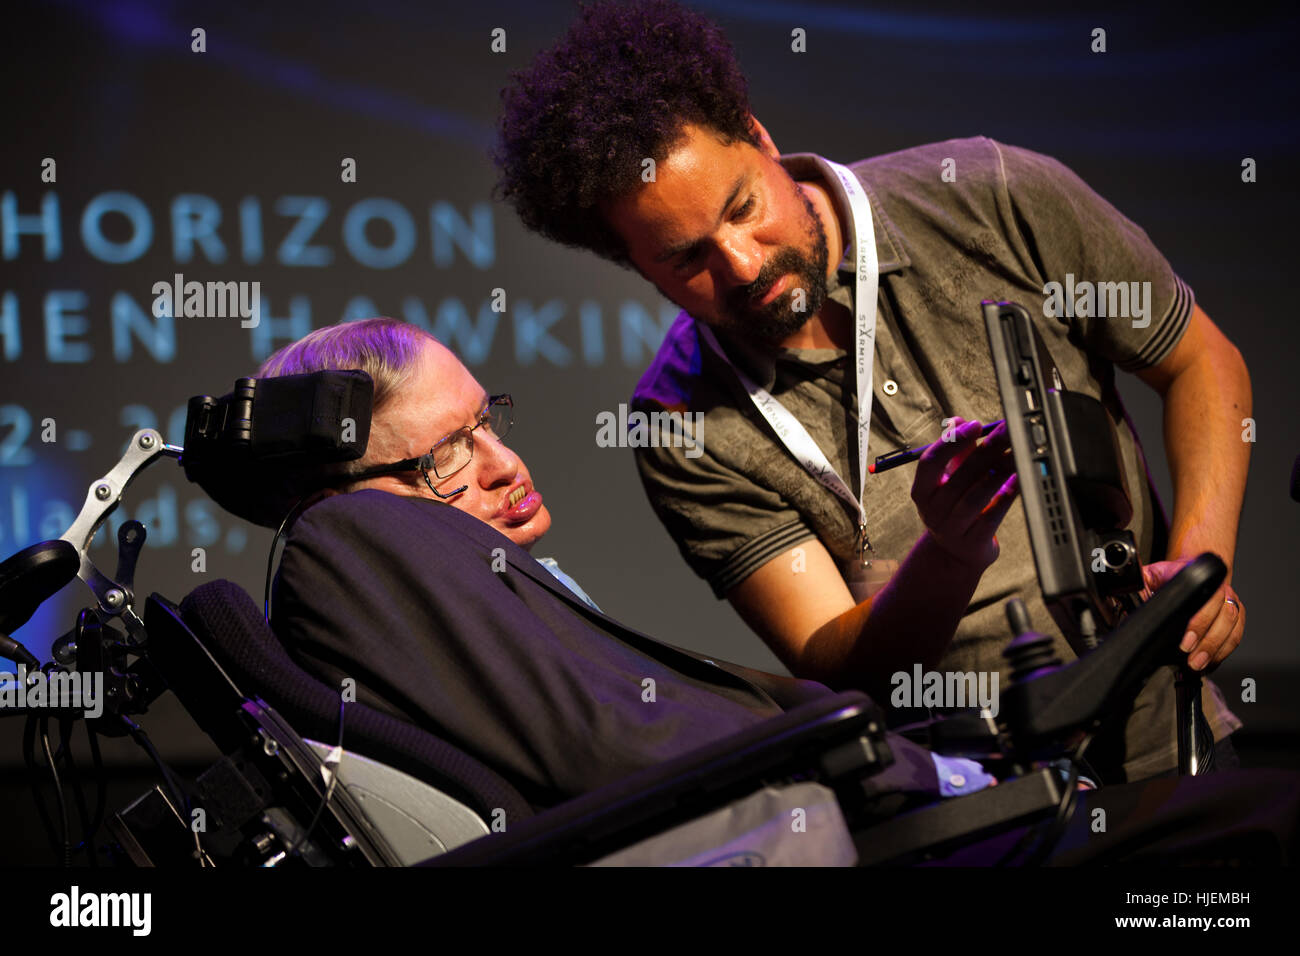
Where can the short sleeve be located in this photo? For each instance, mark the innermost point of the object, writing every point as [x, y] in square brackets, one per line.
[1115, 290]
[725, 525]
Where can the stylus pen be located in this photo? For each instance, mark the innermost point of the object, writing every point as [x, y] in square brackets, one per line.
[909, 455]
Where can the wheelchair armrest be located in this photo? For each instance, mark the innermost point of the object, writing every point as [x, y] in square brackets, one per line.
[935, 829]
[839, 737]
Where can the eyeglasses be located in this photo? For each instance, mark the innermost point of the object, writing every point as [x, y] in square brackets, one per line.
[452, 453]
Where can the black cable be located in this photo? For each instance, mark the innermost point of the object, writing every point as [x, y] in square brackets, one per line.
[33, 772]
[1064, 812]
[101, 789]
[179, 797]
[78, 792]
[14, 651]
[329, 791]
[173, 788]
[270, 555]
[58, 791]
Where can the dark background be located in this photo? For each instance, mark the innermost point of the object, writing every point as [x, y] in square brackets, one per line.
[1158, 124]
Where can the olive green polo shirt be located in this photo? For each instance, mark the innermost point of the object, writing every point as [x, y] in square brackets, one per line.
[1009, 223]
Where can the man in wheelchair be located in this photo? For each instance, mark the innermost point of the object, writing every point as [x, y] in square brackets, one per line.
[439, 616]
[500, 715]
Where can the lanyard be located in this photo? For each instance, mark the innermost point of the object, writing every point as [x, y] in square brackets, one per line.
[788, 428]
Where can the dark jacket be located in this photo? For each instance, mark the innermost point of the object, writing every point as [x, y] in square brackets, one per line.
[400, 594]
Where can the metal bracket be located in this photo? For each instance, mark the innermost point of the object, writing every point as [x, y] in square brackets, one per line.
[115, 598]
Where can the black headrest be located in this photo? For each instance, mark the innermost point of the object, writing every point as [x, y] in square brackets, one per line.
[261, 447]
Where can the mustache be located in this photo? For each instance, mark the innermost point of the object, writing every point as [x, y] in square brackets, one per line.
[785, 260]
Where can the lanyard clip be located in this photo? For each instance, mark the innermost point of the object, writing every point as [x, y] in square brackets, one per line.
[864, 545]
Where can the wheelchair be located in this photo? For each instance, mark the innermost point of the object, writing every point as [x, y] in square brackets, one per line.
[288, 792]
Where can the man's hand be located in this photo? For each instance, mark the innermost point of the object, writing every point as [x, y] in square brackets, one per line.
[963, 489]
[1216, 629]
[800, 605]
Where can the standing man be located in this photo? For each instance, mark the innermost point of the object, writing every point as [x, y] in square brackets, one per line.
[830, 312]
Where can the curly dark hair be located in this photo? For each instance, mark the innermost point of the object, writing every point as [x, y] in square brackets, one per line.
[616, 89]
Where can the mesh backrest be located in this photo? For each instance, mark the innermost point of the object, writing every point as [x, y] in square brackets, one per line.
[223, 616]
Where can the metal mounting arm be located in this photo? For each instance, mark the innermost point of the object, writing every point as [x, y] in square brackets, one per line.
[115, 597]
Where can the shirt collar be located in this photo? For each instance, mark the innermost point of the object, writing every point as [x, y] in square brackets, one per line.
[889, 251]
[760, 362]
